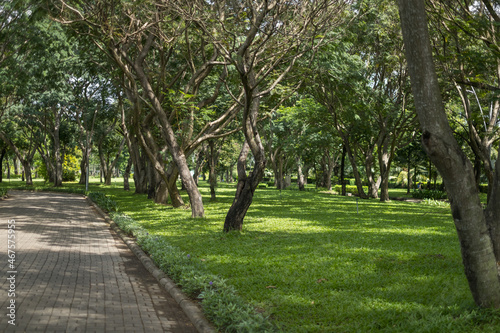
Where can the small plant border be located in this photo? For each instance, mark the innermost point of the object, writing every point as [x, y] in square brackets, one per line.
[219, 300]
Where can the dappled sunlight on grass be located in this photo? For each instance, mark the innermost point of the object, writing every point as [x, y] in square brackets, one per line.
[318, 262]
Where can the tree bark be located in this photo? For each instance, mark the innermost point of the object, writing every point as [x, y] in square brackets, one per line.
[342, 170]
[16, 166]
[300, 175]
[244, 192]
[477, 246]
[172, 175]
[357, 177]
[126, 175]
[385, 165]
[241, 203]
[212, 178]
[175, 149]
[1, 163]
[200, 162]
[373, 185]
[26, 160]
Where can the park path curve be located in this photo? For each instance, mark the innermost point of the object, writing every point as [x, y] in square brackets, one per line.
[72, 273]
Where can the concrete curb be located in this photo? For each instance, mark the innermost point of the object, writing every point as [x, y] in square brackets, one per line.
[191, 309]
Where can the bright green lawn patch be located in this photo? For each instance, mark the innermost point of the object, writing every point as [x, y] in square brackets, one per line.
[313, 264]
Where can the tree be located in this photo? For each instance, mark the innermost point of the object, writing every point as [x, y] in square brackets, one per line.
[467, 53]
[478, 230]
[164, 62]
[261, 41]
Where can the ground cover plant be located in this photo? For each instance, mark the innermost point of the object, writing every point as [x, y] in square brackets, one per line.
[316, 262]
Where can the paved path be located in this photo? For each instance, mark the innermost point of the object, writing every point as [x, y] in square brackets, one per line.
[72, 273]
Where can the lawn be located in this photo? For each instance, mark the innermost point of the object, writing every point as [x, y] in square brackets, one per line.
[316, 262]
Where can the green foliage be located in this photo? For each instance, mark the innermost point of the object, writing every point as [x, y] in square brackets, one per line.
[103, 201]
[3, 192]
[429, 194]
[70, 168]
[349, 189]
[483, 188]
[434, 202]
[228, 311]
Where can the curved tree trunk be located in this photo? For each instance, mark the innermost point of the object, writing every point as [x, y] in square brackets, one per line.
[244, 198]
[172, 175]
[244, 191]
[477, 233]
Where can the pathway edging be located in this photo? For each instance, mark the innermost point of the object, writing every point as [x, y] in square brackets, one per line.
[192, 310]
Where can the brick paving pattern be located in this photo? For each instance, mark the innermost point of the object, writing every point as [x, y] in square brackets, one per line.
[75, 275]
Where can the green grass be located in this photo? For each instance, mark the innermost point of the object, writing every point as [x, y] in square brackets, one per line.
[313, 264]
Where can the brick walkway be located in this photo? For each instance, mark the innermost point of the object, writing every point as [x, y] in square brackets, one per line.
[75, 274]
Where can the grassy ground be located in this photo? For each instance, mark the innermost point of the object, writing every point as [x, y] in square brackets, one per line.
[316, 262]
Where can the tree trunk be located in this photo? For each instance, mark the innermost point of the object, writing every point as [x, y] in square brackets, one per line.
[175, 149]
[477, 247]
[384, 164]
[307, 168]
[16, 166]
[151, 181]
[278, 175]
[300, 175]
[139, 161]
[244, 191]
[1, 163]
[27, 171]
[409, 171]
[126, 175]
[243, 200]
[58, 165]
[200, 161]
[173, 191]
[212, 178]
[83, 169]
[355, 171]
[342, 170]
[157, 188]
[161, 191]
[8, 168]
[373, 185]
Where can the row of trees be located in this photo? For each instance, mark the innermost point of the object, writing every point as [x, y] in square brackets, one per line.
[171, 85]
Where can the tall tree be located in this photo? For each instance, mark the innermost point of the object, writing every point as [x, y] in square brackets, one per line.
[466, 46]
[261, 41]
[478, 230]
[165, 62]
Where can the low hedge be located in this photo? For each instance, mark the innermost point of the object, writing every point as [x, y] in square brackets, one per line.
[220, 301]
[103, 201]
[350, 189]
[429, 194]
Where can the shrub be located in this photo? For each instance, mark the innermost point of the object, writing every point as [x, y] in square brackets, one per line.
[103, 201]
[349, 189]
[70, 168]
[3, 192]
[429, 194]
